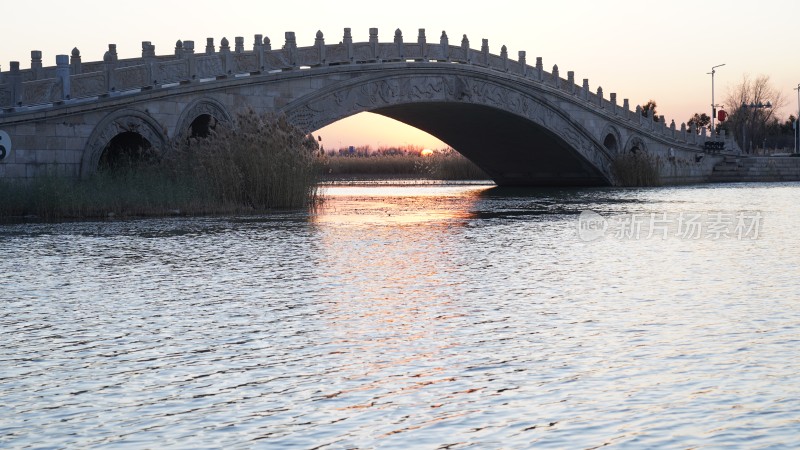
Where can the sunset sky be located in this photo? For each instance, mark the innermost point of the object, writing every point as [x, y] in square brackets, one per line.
[640, 50]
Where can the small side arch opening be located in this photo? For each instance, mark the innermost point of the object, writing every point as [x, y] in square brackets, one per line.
[202, 126]
[610, 143]
[126, 150]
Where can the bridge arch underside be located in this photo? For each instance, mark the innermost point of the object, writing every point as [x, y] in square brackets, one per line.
[512, 150]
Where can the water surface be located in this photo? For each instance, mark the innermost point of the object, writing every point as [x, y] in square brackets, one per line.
[436, 316]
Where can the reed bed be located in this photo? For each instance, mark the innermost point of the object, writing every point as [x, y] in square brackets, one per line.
[441, 165]
[262, 163]
[636, 170]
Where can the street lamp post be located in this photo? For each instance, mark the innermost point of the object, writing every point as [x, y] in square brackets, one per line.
[713, 105]
[797, 119]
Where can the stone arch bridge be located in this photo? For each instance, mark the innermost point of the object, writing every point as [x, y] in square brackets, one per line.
[521, 124]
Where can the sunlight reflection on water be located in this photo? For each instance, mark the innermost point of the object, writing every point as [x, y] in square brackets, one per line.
[412, 316]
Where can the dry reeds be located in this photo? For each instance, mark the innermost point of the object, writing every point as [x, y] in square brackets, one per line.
[261, 163]
[264, 162]
[441, 165]
[635, 169]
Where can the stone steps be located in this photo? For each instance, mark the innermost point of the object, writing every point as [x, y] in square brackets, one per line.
[747, 169]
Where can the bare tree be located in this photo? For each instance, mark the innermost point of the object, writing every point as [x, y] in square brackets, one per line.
[749, 116]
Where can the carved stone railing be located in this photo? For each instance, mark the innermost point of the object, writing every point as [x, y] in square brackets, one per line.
[73, 79]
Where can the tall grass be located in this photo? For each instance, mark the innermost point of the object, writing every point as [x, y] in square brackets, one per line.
[264, 162]
[449, 165]
[441, 165]
[261, 163]
[636, 169]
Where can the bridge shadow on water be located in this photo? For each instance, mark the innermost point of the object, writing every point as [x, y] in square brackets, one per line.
[522, 202]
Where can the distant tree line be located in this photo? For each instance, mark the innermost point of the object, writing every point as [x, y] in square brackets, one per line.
[752, 107]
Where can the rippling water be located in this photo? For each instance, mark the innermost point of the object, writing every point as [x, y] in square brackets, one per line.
[412, 316]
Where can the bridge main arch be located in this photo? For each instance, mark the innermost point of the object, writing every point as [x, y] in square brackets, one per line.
[515, 134]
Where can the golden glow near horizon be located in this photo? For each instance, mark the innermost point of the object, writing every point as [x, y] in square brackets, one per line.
[638, 50]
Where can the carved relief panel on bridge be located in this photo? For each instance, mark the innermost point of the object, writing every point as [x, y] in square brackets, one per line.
[276, 60]
[132, 77]
[308, 56]
[245, 63]
[88, 84]
[413, 51]
[362, 52]
[209, 66]
[172, 71]
[336, 54]
[41, 92]
[388, 52]
[5, 97]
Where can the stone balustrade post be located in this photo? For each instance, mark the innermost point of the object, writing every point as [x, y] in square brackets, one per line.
[290, 46]
[63, 74]
[15, 80]
[210, 49]
[693, 133]
[465, 49]
[600, 96]
[556, 77]
[585, 90]
[148, 50]
[227, 59]
[267, 44]
[639, 114]
[75, 62]
[626, 108]
[191, 62]
[672, 129]
[149, 57]
[444, 43]
[239, 40]
[347, 40]
[523, 62]
[373, 43]
[613, 99]
[571, 81]
[539, 69]
[504, 57]
[422, 41]
[683, 132]
[178, 48]
[110, 65]
[485, 51]
[398, 42]
[258, 49]
[703, 135]
[36, 64]
[319, 42]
